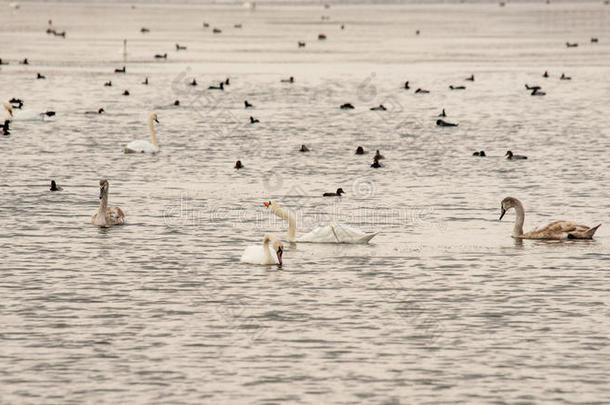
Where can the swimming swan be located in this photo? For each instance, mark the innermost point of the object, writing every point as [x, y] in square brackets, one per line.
[142, 146]
[107, 216]
[27, 115]
[332, 233]
[554, 230]
[264, 254]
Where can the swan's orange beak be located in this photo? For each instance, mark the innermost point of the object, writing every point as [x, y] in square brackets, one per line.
[267, 203]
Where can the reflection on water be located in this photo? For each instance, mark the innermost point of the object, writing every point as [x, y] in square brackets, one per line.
[443, 305]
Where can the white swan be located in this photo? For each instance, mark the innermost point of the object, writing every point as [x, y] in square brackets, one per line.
[557, 230]
[26, 115]
[264, 254]
[142, 146]
[332, 233]
[107, 216]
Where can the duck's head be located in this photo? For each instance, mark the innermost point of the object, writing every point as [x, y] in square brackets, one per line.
[509, 154]
[507, 203]
[238, 164]
[103, 187]
[482, 153]
[101, 110]
[9, 108]
[340, 191]
[359, 150]
[53, 185]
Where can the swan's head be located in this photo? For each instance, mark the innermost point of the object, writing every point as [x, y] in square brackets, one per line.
[153, 117]
[270, 204]
[507, 203]
[9, 108]
[509, 154]
[103, 187]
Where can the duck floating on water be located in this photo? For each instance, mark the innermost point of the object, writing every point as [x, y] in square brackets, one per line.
[5, 127]
[335, 194]
[55, 187]
[442, 123]
[537, 92]
[221, 86]
[510, 156]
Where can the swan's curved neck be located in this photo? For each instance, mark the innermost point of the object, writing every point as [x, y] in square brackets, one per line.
[151, 129]
[288, 216]
[104, 202]
[266, 252]
[519, 220]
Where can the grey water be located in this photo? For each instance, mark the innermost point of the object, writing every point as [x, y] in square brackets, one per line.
[443, 306]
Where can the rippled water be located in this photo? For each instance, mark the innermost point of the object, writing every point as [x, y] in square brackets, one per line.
[444, 306]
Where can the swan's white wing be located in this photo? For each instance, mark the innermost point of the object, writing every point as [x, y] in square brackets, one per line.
[28, 115]
[336, 233]
[256, 255]
[347, 234]
[141, 146]
[322, 234]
